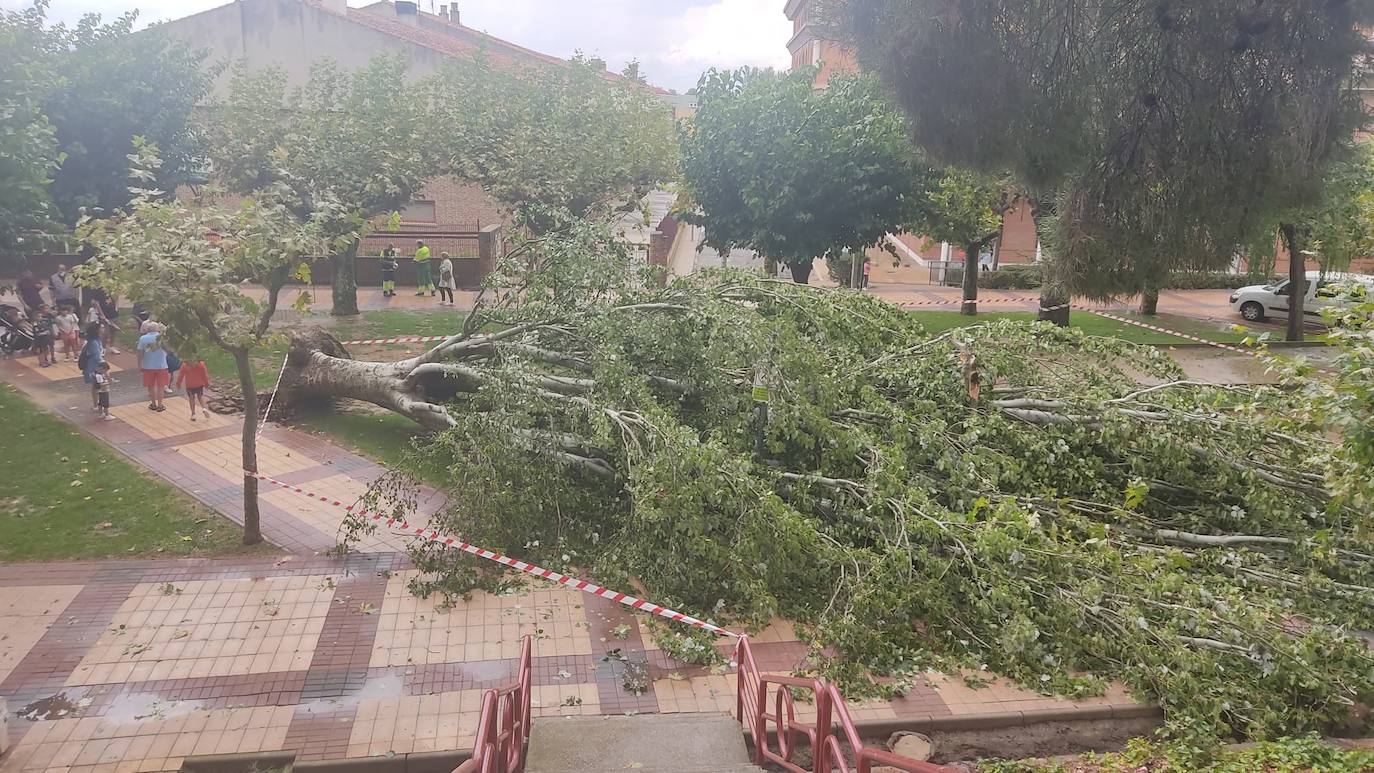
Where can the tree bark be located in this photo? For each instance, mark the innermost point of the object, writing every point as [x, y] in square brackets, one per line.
[1297, 281]
[970, 305]
[252, 522]
[801, 272]
[1149, 301]
[1054, 306]
[319, 366]
[344, 290]
[856, 272]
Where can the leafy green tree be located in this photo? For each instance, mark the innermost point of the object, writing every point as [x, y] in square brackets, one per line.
[28, 146]
[796, 173]
[966, 209]
[362, 138]
[950, 501]
[551, 137]
[186, 260]
[1336, 228]
[1164, 130]
[114, 85]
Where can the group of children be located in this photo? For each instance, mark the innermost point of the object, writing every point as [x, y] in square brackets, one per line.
[424, 275]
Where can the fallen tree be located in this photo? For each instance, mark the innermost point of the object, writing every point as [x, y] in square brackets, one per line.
[1060, 508]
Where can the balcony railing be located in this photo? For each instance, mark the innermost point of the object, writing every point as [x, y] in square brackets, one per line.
[775, 733]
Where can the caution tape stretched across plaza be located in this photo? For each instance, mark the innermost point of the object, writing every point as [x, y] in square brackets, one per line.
[446, 540]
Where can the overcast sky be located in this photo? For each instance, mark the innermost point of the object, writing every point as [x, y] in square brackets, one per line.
[674, 40]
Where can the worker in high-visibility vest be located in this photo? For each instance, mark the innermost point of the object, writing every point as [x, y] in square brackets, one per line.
[422, 274]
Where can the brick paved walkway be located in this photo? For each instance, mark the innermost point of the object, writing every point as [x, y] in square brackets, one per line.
[138, 665]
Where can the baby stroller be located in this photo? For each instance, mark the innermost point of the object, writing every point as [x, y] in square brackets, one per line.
[15, 336]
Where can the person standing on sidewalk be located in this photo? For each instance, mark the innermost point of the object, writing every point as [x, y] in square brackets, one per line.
[64, 293]
[423, 279]
[389, 271]
[153, 360]
[92, 355]
[194, 376]
[446, 283]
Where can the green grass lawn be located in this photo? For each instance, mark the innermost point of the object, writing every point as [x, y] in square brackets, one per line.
[1092, 324]
[383, 437]
[67, 496]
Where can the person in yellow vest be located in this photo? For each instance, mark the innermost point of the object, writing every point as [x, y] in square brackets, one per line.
[422, 274]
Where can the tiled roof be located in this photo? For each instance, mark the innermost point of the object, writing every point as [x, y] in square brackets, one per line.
[455, 39]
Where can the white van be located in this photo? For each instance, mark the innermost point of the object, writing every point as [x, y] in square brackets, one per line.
[1257, 302]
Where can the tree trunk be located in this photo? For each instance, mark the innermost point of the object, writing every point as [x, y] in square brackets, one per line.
[801, 272]
[319, 366]
[345, 288]
[1297, 281]
[1054, 306]
[970, 304]
[856, 272]
[252, 528]
[1149, 301]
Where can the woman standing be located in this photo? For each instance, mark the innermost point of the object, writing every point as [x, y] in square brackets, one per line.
[446, 283]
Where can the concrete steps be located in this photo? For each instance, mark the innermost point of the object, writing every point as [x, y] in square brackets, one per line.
[649, 743]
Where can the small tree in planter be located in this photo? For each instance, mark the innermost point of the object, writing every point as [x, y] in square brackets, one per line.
[185, 260]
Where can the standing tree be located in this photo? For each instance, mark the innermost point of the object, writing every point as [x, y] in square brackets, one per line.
[1337, 229]
[186, 262]
[28, 146]
[1164, 130]
[796, 173]
[114, 85]
[361, 138]
[965, 209]
[560, 137]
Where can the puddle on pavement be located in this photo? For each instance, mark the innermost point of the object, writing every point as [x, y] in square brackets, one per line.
[59, 706]
[384, 686]
[139, 707]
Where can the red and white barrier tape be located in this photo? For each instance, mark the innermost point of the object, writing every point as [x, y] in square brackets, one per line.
[530, 569]
[400, 340]
[1193, 338]
[961, 302]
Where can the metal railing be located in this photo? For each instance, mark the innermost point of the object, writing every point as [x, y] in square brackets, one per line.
[775, 733]
[503, 727]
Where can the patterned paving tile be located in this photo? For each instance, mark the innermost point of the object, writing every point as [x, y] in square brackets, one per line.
[149, 743]
[209, 628]
[25, 617]
[414, 631]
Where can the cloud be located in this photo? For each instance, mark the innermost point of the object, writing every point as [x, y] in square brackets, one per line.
[673, 40]
[731, 33]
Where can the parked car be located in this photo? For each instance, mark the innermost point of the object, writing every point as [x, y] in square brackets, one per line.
[1257, 302]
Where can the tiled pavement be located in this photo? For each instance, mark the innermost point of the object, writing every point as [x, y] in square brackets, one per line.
[137, 665]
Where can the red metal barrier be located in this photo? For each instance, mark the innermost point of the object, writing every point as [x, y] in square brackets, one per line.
[503, 728]
[780, 728]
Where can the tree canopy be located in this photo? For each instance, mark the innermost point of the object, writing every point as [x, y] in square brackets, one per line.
[796, 173]
[28, 142]
[561, 137]
[360, 138]
[116, 84]
[1164, 130]
[72, 102]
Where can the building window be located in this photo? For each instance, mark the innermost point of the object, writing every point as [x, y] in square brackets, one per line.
[418, 212]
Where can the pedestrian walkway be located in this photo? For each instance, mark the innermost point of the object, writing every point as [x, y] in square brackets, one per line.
[139, 665]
